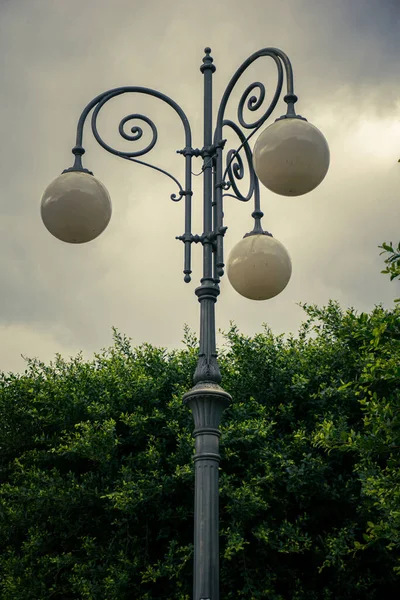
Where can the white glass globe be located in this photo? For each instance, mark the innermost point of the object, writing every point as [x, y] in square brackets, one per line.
[259, 267]
[291, 157]
[76, 207]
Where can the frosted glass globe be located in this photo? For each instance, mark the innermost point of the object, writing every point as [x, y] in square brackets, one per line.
[76, 207]
[291, 157]
[259, 267]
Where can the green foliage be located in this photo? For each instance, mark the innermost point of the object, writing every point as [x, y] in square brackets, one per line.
[96, 474]
[392, 261]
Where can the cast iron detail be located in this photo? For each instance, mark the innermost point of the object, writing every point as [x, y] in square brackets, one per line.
[136, 133]
[78, 152]
[235, 169]
[206, 399]
[254, 99]
[206, 151]
[207, 62]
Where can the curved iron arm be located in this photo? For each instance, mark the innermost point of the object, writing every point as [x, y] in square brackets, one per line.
[136, 134]
[206, 398]
[132, 89]
[234, 169]
[253, 102]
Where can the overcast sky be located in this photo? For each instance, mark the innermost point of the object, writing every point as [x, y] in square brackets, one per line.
[56, 55]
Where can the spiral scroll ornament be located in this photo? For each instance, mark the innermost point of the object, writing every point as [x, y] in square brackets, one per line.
[136, 134]
[253, 99]
[256, 101]
[235, 167]
[253, 104]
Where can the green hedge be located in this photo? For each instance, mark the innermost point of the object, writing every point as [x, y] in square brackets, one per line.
[96, 492]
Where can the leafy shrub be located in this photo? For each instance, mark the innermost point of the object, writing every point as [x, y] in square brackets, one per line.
[96, 492]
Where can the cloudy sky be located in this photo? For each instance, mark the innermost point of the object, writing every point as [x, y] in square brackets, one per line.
[56, 55]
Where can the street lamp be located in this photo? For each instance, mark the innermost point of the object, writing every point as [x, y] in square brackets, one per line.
[291, 157]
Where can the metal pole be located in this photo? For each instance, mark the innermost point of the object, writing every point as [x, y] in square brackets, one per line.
[207, 399]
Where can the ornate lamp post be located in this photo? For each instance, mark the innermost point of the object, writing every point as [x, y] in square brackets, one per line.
[291, 157]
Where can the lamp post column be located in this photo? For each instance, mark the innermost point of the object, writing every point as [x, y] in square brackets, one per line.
[207, 399]
[75, 195]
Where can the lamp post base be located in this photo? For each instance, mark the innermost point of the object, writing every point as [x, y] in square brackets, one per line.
[207, 400]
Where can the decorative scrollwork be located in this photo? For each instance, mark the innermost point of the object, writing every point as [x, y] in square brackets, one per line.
[136, 132]
[235, 168]
[255, 102]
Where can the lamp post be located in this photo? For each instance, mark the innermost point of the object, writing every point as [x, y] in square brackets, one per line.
[291, 157]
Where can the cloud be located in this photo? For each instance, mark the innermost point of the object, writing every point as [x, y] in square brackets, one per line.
[59, 55]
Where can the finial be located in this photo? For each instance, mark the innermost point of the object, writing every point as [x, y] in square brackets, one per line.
[207, 61]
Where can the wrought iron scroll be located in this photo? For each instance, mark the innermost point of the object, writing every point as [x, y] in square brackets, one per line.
[136, 133]
[253, 98]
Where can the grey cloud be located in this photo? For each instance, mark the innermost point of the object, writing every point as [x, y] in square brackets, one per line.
[56, 56]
